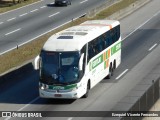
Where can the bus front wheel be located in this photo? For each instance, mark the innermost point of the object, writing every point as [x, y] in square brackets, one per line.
[110, 72]
[87, 91]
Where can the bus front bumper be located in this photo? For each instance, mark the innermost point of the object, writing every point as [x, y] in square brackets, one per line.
[58, 95]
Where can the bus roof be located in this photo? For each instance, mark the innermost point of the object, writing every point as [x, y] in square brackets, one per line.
[74, 38]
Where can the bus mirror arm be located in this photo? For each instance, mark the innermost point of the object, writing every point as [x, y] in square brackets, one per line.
[36, 62]
[81, 62]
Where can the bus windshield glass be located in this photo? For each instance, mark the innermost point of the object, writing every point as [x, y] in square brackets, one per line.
[59, 67]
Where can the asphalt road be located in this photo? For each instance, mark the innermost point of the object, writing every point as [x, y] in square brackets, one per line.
[25, 24]
[140, 54]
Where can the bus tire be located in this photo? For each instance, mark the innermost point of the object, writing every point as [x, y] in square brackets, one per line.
[114, 65]
[87, 91]
[110, 72]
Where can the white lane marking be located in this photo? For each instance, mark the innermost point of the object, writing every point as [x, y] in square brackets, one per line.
[43, 6]
[23, 14]
[29, 103]
[11, 19]
[21, 7]
[122, 74]
[25, 106]
[1, 23]
[141, 25]
[54, 14]
[41, 35]
[83, 1]
[13, 31]
[34, 10]
[70, 118]
[152, 47]
[156, 13]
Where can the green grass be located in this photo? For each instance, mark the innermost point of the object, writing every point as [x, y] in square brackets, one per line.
[29, 51]
[7, 6]
[114, 8]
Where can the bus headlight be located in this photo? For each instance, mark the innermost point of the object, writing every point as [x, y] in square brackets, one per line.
[43, 86]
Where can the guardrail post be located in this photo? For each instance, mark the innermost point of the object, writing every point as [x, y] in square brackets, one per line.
[17, 47]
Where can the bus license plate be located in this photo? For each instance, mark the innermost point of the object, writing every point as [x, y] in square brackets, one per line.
[58, 95]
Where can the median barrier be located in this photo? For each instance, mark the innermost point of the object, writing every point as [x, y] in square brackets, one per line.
[141, 98]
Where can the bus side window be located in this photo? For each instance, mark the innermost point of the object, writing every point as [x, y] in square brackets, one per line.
[101, 44]
[94, 47]
[90, 51]
[118, 31]
[112, 36]
[116, 35]
[108, 39]
[104, 42]
[89, 54]
[98, 45]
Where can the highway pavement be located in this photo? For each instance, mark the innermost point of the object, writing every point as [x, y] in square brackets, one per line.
[25, 24]
[140, 54]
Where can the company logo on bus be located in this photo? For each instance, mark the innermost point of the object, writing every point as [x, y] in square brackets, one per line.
[58, 88]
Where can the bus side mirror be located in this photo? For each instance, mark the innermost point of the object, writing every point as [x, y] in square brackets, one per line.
[36, 62]
[81, 62]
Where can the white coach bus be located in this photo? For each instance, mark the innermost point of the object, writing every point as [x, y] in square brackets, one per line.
[76, 59]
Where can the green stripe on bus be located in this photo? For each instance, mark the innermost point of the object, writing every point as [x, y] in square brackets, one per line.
[97, 61]
[62, 87]
[90, 66]
[115, 48]
[93, 64]
[105, 65]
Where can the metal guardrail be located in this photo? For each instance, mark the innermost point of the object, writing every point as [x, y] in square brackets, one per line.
[140, 99]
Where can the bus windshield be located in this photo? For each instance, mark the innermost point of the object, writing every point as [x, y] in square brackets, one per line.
[59, 67]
